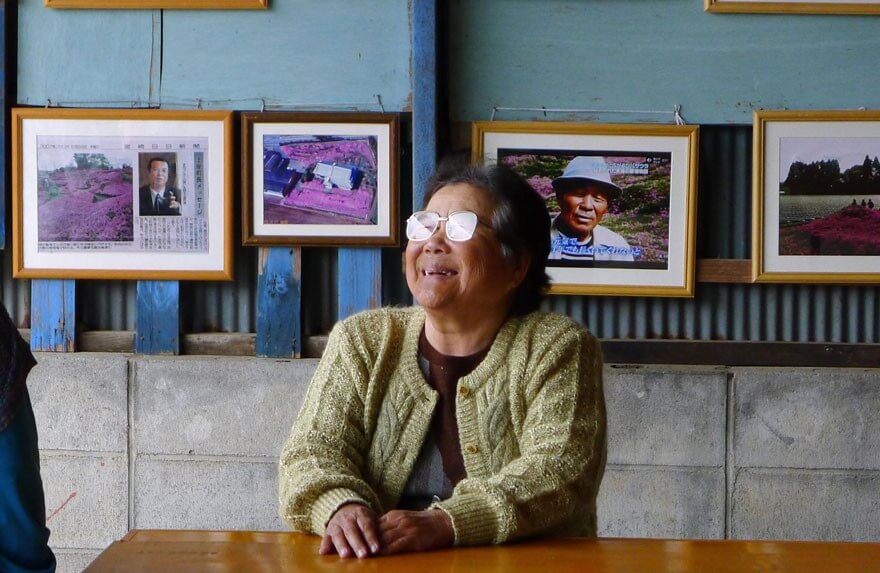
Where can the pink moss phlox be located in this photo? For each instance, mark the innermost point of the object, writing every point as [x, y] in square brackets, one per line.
[357, 203]
[86, 205]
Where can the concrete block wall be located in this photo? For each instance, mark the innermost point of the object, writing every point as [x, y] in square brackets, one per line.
[693, 452]
[666, 440]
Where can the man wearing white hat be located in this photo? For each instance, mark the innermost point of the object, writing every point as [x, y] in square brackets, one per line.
[584, 192]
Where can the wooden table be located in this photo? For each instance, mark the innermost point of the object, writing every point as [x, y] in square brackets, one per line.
[249, 551]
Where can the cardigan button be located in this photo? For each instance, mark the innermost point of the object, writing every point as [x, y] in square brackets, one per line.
[471, 449]
[464, 391]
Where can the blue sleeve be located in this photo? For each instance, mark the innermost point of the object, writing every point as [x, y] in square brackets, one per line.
[24, 539]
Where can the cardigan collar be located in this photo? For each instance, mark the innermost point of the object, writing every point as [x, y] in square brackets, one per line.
[493, 361]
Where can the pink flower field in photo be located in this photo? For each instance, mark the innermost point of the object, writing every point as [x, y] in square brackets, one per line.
[356, 203]
[85, 204]
[851, 231]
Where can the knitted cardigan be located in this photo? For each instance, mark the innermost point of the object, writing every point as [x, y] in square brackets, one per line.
[531, 421]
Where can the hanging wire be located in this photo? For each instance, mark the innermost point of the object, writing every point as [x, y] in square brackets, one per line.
[260, 103]
[675, 113]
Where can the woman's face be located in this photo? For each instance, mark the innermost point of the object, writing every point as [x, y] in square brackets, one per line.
[468, 278]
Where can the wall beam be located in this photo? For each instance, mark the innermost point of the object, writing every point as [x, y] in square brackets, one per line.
[279, 302]
[359, 280]
[158, 318]
[424, 82]
[53, 315]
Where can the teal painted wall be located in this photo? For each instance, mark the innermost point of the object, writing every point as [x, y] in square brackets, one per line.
[299, 52]
[82, 55]
[653, 54]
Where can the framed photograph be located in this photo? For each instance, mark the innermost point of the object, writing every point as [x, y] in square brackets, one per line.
[621, 199]
[795, 6]
[319, 178]
[816, 200]
[160, 4]
[122, 194]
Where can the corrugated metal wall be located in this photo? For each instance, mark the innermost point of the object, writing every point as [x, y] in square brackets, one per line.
[793, 313]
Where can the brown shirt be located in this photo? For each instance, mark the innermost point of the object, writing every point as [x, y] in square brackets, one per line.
[443, 374]
[440, 464]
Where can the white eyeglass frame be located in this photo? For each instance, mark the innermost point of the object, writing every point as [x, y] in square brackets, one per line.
[437, 225]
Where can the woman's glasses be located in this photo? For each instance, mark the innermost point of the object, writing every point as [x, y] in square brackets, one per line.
[460, 226]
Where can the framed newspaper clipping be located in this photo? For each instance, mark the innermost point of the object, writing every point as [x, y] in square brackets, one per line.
[319, 178]
[122, 194]
[621, 199]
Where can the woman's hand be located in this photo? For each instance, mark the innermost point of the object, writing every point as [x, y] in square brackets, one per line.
[402, 531]
[351, 531]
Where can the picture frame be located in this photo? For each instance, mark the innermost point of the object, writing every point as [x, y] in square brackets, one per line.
[159, 4]
[122, 194]
[862, 7]
[320, 178]
[815, 208]
[648, 176]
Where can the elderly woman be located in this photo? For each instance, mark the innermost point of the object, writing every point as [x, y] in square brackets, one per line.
[469, 419]
[23, 533]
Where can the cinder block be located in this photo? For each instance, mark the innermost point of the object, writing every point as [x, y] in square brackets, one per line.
[81, 401]
[74, 561]
[666, 416]
[86, 499]
[206, 494]
[211, 406]
[807, 418]
[641, 501]
[806, 504]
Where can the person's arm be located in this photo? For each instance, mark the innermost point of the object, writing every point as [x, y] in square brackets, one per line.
[320, 469]
[562, 451]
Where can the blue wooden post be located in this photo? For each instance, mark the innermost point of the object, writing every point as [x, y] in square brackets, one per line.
[424, 115]
[157, 329]
[359, 280]
[279, 299]
[53, 315]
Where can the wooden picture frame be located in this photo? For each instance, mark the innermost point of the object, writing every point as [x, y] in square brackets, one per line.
[85, 204]
[815, 182]
[319, 178]
[159, 4]
[646, 177]
[867, 7]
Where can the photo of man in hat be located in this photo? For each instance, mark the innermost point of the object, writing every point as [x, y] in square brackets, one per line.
[585, 192]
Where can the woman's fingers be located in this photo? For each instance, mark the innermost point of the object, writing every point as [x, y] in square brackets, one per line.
[326, 545]
[399, 545]
[415, 531]
[368, 527]
[340, 542]
[355, 538]
[351, 531]
[394, 532]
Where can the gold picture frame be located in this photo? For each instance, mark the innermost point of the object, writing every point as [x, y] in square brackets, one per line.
[84, 198]
[159, 4]
[649, 220]
[320, 178]
[813, 214]
[799, 7]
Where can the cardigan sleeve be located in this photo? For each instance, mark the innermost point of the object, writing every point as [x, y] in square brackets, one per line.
[320, 467]
[562, 451]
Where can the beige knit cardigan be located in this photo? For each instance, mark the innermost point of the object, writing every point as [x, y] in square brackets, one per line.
[531, 420]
